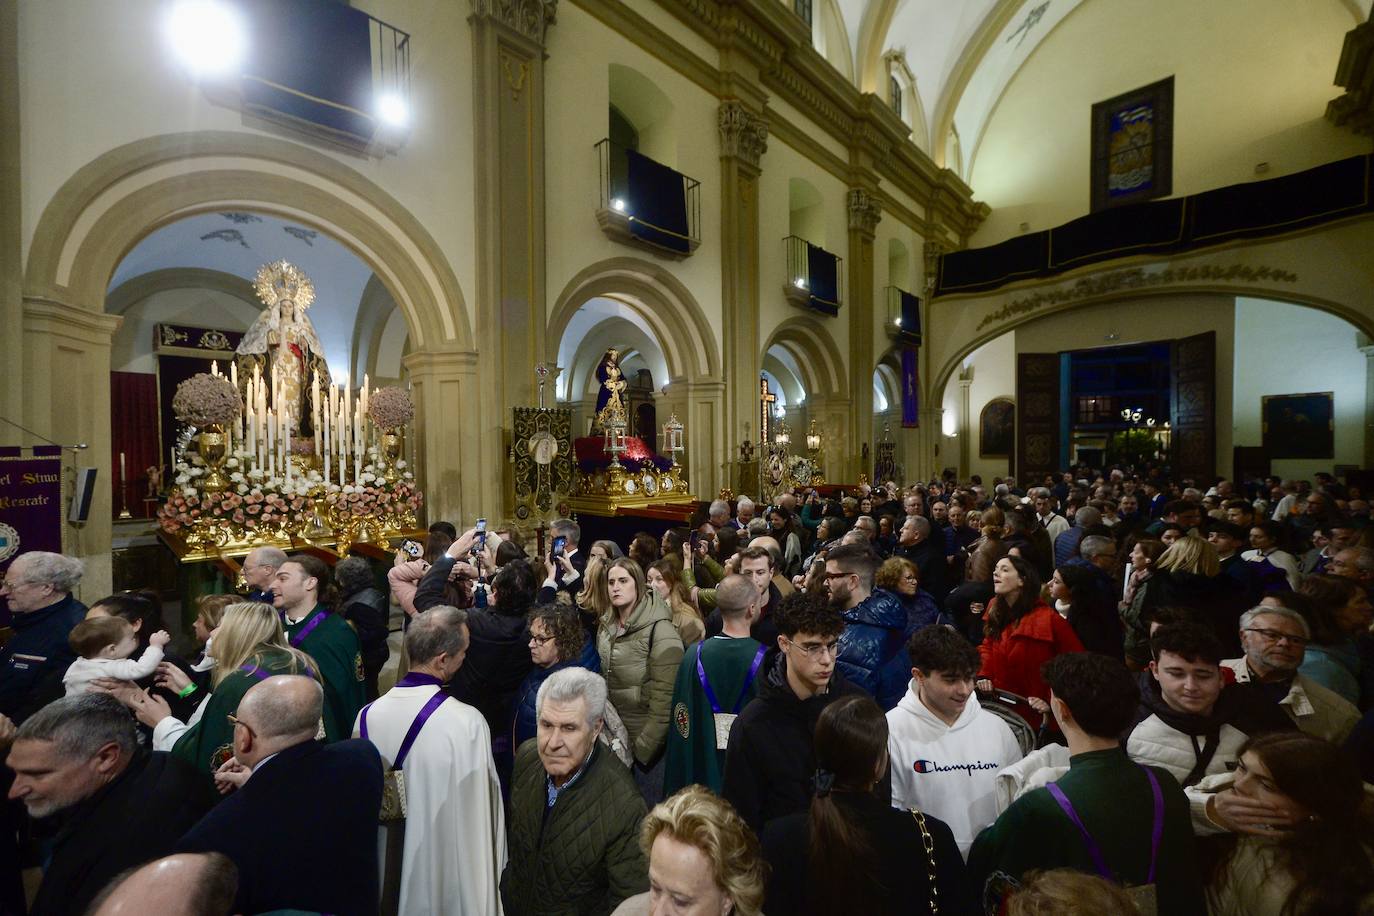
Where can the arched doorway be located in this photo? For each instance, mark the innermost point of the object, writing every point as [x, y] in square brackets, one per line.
[108, 206]
[634, 303]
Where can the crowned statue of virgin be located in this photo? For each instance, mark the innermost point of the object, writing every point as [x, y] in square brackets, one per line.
[283, 341]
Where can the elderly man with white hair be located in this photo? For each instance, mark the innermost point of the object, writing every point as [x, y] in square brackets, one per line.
[38, 588]
[1274, 640]
[575, 810]
[455, 835]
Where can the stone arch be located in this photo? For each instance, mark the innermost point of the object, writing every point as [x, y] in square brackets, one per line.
[98, 215]
[815, 353]
[656, 296]
[1362, 321]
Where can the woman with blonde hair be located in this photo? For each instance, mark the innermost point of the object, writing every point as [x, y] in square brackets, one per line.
[665, 577]
[702, 857]
[594, 601]
[249, 647]
[1188, 576]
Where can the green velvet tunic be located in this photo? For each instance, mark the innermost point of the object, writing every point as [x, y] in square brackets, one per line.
[1112, 797]
[334, 646]
[692, 756]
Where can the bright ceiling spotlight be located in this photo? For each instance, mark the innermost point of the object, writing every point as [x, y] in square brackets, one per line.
[208, 37]
[392, 109]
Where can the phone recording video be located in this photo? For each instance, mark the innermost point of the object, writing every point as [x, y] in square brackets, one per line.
[559, 544]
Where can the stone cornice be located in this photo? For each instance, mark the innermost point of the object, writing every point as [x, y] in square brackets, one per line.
[743, 134]
[778, 43]
[531, 18]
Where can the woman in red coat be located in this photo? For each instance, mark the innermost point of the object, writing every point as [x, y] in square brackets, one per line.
[1021, 633]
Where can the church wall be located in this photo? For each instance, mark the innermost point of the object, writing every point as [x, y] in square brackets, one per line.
[1287, 349]
[780, 164]
[577, 98]
[993, 368]
[132, 348]
[1261, 101]
[117, 97]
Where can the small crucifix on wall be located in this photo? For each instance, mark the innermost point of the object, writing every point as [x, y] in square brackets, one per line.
[766, 399]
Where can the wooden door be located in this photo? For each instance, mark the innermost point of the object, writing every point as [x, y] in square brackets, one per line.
[1037, 417]
[1194, 396]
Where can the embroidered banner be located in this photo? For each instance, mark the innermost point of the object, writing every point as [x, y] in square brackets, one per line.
[30, 506]
[911, 388]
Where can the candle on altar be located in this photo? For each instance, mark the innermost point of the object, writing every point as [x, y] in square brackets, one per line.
[172, 468]
[271, 442]
[315, 408]
[326, 446]
[214, 367]
[234, 375]
[122, 478]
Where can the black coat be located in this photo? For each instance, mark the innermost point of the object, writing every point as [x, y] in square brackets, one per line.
[1215, 601]
[899, 881]
[770, 758]
[369, 611]
[929, 557]
[133, 819]
[33, 661]
[302, 830]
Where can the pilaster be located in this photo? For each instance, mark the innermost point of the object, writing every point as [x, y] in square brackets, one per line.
[930, 438]
[443, 452]
[832, 416]
[66, 398]
[508, 95]
[701, 408]
[965, 422]
[743, 141]
[11, 228]
[864, 214]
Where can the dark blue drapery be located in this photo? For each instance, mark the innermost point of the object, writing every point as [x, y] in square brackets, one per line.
[657, 203]
[823, 272]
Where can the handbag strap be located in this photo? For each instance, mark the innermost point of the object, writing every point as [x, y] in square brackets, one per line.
[414, 731]
[1094, 851]
[929, 842]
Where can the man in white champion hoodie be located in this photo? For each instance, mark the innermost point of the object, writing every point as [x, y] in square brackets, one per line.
[944, 747]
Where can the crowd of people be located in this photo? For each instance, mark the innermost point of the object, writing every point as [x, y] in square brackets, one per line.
[1109, 693]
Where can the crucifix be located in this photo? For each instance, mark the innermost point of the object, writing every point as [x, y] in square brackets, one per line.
[766, 399]
[542, 371]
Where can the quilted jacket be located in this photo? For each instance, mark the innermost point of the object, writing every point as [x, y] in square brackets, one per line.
[640, 666]
[584, 858]
[874, 631]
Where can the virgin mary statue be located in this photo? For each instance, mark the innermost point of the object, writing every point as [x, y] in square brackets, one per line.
[283, 339]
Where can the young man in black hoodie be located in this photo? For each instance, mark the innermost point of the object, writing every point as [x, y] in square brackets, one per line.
[770, 757]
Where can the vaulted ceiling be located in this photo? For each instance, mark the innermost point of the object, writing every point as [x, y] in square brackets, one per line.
[962, 53]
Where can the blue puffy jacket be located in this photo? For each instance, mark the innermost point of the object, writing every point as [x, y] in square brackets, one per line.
[526, 722]
[875, 630]
[894, 678]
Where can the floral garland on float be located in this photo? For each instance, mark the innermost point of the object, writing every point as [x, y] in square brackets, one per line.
[230, 495]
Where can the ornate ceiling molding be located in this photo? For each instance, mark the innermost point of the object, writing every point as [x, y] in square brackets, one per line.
[1136, 278]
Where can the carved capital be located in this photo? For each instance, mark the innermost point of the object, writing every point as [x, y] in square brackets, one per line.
[864, 211]
[530, 18]
[743, 134]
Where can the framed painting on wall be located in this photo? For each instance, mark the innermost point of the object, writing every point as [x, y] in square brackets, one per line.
[996, 428]
[1133, 146]
[1299, 425]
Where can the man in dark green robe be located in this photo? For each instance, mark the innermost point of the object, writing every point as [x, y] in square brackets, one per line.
[1094, 700]
[324, 636]
[714, 682]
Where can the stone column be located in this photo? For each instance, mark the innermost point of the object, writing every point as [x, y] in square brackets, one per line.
[442, 451]
[66, 398]
[832, 416]
[1368, 350]
[508, 135]
[930, 439]
[965, 423]
[930, 457]
[743, 141]
[864, 214]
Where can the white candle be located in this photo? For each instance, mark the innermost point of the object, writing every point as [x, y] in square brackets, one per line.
[326, 446]
[214, 367]
[122, 477]
[234, 374]
[172, 468]
[271, 441]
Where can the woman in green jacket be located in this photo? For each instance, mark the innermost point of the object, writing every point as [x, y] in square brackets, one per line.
[249, 647]
[640, 651]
